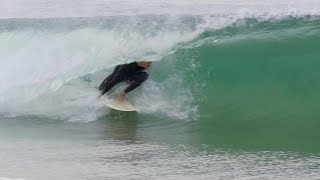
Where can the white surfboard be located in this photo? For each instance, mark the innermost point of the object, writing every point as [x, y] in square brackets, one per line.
[119, 105]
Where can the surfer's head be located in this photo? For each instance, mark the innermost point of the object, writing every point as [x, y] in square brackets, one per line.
[145, 64]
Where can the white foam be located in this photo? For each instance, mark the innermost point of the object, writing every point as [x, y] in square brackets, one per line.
[40, 71]
[169, 98]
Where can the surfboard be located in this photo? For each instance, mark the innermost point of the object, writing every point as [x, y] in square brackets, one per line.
[112, 103]
[119, 105]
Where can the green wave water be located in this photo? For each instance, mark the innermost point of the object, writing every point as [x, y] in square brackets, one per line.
[256, 83]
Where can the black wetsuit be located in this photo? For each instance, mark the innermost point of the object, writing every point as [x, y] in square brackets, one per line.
[131, 73]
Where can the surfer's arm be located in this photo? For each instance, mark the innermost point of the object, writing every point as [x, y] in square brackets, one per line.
[109, 78]
[115, 78]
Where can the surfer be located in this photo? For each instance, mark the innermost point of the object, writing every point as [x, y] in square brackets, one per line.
[132, 73]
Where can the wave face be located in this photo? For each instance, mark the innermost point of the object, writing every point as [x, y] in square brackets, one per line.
[262, 82]
[243, 73]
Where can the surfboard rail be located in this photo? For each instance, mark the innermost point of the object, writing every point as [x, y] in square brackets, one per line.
[119, 105]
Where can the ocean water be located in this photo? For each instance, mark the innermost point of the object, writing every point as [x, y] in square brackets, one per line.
[233, 91]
